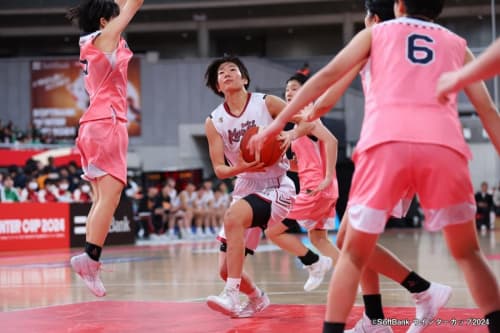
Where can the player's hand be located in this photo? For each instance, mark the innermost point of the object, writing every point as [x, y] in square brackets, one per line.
[323, 185]
[286, 138]
[255, 166]
[308, 113]
[447, 83]
[257, 141]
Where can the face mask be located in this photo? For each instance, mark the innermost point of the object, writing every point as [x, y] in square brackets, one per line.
[32, 186]
[64, 187]
[85, 189]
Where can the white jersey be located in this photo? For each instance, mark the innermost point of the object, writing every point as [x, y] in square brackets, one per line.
[232, 128]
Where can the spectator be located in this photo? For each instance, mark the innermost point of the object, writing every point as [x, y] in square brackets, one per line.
[9, 192]
[484, 202]
[150, 212]
[30, 192]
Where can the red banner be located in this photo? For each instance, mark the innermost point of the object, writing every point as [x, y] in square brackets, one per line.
[34, 226]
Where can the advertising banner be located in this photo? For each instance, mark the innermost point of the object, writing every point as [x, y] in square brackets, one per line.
[121, 230]
[34, 226]
[59, 98]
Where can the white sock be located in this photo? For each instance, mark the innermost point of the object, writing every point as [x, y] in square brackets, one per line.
[233, 283]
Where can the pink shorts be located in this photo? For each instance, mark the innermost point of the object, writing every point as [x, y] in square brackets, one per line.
[391, 171]
[314, 211]
[103, 147]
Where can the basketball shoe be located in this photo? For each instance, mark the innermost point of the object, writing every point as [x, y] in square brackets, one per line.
[88, 270]
[228, 302]
[427, 304]
[253, 306]
[317, 272]
[365, 325]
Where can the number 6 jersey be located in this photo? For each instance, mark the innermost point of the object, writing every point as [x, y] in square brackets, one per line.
[398, 109]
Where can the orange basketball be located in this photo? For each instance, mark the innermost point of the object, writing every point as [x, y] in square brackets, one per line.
[270, 152]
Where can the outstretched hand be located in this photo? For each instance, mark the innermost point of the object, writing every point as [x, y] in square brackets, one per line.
[308, 113]
[254, 166]
[257, 141]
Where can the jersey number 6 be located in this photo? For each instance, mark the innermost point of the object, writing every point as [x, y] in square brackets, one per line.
[418, 53]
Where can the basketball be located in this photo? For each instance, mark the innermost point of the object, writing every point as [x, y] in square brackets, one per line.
[269, 154]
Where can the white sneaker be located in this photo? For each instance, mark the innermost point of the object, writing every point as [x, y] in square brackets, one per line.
[88, 270]
[427, 305]
[317, 272]
[364, 325]
[253, 306]
[228, 302]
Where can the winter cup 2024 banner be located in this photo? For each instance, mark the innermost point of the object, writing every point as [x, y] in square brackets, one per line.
[58, 97]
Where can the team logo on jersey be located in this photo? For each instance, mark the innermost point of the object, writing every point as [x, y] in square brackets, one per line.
[236, 134]
[221, 120]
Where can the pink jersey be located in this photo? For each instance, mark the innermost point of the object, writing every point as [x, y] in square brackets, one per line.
[105, 79]
[311, 166]
[407, 57]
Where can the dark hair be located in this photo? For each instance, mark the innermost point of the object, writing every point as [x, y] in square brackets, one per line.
[212, 72]
[384, 9]
[300, 78]
[429, 9]
[88, 14]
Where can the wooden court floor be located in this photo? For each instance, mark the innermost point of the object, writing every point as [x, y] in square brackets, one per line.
[187, 272]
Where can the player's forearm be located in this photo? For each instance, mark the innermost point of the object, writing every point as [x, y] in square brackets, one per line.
[484, 67]
[225, 172]
[331, 149]
[491, 123]
[331, 97]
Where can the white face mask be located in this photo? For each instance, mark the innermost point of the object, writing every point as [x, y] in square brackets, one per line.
[85, 189]
[32, 186]
[64, 187]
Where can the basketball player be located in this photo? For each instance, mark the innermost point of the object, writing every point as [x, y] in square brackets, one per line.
[428, 300]
[261, 197]
[404, 119]
[102, 136]
[314, 207]
[429, 296]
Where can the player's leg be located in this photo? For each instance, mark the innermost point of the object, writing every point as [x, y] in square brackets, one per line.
[317, 265]
[357, 248]
[257, 298]
[483, 285]
[237, 219]
[319, 238]
[87, 265]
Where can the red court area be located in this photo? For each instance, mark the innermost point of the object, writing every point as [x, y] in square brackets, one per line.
[151, 317]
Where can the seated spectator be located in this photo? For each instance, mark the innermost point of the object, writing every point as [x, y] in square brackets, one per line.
[30, 192]
[48, 193]
[62, 193]
[8, 192]
[150, 212]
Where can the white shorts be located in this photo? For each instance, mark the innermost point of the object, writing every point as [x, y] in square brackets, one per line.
[280, 191]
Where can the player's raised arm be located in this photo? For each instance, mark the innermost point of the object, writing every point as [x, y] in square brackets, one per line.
[485, 107]
[110, 34]
[355, 52]
[331, 97]
[484, 67]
